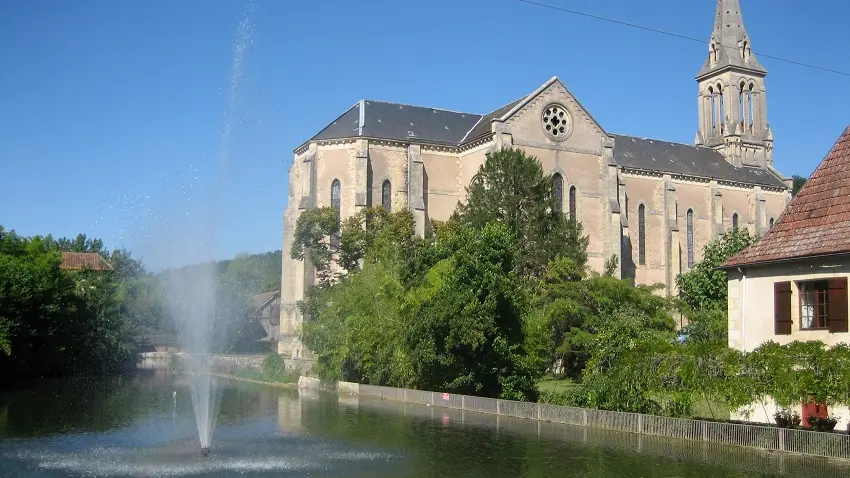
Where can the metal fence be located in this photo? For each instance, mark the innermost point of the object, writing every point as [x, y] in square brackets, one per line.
[805, 442]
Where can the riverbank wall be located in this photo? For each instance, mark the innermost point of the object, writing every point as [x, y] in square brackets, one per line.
[220, 363]
[796, 441]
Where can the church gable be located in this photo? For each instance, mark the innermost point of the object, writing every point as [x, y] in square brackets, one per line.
[551, 117]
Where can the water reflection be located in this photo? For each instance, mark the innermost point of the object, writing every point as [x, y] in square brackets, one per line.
[136, 428]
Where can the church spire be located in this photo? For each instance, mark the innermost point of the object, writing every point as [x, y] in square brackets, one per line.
[729, 45]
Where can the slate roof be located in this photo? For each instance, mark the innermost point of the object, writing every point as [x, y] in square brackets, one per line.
[817, 222]
[83, 260]
[400, 122]
[676, 158]
[483, 128]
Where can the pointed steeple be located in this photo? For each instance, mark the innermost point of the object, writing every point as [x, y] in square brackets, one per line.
[729, 45]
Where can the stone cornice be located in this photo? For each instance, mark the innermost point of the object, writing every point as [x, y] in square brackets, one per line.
[698, 179]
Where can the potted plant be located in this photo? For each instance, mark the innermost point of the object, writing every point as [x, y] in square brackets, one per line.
[785, 418]
[823, 424]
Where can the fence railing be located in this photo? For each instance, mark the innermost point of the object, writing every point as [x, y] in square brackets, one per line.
[805, 442]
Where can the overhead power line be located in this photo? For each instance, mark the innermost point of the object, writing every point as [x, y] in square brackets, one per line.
[675, 35]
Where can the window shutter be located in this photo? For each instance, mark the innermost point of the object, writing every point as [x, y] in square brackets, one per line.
[837, 318]
[782, 308]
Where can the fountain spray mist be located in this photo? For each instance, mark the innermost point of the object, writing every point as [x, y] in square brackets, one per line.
[192, 292]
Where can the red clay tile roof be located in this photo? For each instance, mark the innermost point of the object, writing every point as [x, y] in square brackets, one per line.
[817, 222]
[83, 260]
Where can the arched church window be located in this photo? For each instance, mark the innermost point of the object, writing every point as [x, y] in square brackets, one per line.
[690, 238]
[573, 216]
[721, 108]
[750, 105]
[744, 50]
[335, 199]
[713, 96]
[735, 221]
[387, 195]
[641, 234]
[741, 90]
[771, 223]
[558, 191]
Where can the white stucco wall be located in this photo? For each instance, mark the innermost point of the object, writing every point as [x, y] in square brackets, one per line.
[751, 317]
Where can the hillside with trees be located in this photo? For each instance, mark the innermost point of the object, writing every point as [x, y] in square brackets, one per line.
[56, 321]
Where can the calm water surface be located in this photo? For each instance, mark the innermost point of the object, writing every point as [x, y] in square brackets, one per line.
[132, 427]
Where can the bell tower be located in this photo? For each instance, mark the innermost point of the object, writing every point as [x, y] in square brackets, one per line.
[732, 100]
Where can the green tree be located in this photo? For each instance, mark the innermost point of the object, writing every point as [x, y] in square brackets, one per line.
[312, 241]
[629, 367]
[704, 286]
[512, 189]
[575, 310]
[467, 336]
[799, 182]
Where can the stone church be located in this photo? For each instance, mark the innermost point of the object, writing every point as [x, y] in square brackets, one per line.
[653, 203]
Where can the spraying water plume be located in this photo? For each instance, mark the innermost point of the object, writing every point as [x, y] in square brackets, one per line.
[192, 292]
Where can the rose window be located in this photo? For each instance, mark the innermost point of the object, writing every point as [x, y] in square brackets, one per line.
[556, 121]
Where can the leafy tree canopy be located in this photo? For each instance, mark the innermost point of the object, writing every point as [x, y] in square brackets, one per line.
[704, 286]
[511, 188]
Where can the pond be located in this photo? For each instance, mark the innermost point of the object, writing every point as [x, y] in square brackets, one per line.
[135, 427]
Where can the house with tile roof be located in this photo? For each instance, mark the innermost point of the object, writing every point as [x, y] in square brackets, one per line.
[652, 203]
[792, 284]
[78, 261]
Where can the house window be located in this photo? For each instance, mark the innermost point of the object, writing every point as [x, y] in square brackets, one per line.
[558, 191]
[573, 204]
[387, 195]
[823, 304]
[641, 234]
[735, 221]
[690, 239]
[814, 304]
[335, 198]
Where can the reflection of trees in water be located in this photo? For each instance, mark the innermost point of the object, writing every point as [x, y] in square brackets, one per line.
[453, 443]
[84, 403]
[97, 404]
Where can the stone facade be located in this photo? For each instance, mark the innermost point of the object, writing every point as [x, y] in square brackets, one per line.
[653, 203]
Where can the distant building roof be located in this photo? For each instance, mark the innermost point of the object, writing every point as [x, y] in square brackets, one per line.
[261, 300]
[817, 222]
[84, 260]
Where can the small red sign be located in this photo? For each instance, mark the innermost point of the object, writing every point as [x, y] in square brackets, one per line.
[445, 396]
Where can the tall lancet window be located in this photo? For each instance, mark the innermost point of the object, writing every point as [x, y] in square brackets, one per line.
[713, 95]
[641, 234]
[741, 110]
[721, 118]
[690, 232]
[335, 198]
[735, 221]
[558, 191]
[573, 215]
[387, 195]
[771, 223]
[750, 106]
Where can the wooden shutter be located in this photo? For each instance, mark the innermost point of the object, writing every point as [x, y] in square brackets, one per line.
[782, 308]
[837, 305]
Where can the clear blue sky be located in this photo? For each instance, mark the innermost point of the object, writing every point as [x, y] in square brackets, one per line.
[113, 112]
